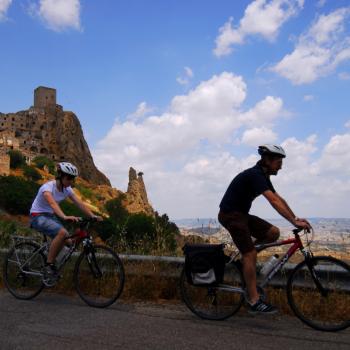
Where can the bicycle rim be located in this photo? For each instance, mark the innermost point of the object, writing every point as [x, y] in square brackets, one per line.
[320, 297]
[214, 303]
[99, 277]
[19, 263]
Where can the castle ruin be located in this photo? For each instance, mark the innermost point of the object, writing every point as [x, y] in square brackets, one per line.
[45, 129]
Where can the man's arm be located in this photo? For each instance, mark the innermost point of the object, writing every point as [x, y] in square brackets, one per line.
[284, 210]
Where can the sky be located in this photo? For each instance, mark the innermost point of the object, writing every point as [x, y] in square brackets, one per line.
[185, 91]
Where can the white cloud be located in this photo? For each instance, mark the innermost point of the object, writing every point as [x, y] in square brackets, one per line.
[182, 151]
[261, 17]
[4, 6]
[347, 124]
[185, 80]
[264, 113]
[344, 76]
[308, 98]
[59, 15]
[258, 136]
[142, 110]
[319, 51]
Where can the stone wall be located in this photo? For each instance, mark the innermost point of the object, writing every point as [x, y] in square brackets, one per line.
[4, 162]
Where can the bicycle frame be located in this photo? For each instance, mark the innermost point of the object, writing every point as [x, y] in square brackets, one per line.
[81, 236]
[297, 245]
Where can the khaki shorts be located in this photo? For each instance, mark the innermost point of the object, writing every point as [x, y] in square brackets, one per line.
[242, 227]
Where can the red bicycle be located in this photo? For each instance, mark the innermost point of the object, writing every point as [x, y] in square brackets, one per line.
[318, 288]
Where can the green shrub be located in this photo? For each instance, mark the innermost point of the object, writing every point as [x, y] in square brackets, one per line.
[41, 161]
[86, 192]
[31, 173]
[70, 209]
[17, 194]
[17, 159]
[116, 211]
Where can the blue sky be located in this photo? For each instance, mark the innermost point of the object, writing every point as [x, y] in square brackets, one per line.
[186, 90]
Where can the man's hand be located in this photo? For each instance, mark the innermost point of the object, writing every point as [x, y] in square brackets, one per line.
[71, 218]
[302, 223]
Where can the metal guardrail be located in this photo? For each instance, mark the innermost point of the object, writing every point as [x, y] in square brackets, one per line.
[175, 265]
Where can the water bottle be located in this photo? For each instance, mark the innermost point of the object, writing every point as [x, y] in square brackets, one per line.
[269, 265]
[64, 251]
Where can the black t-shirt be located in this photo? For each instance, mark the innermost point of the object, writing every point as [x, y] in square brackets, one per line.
[244, 188]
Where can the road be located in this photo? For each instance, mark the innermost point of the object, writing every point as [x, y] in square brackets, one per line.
[53, 321]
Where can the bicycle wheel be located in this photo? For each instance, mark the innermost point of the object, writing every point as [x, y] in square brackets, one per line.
[214, 302]
[99, 276]
[23, 270]
[319, 295]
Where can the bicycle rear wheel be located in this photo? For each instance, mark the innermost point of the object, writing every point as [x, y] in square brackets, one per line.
[214, 302]
[23, 270]
[319, 293]
[99, 276]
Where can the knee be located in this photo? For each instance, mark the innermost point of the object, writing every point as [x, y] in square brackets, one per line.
[62, 233]
[274, 233]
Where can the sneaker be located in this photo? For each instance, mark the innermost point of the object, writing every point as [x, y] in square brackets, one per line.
[261, 307]
[50, 275]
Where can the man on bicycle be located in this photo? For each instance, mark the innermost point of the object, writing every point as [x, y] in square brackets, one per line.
[234, 216]
[46, 212]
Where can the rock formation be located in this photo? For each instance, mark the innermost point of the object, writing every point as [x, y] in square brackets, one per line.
[45, 129]
[136, 195]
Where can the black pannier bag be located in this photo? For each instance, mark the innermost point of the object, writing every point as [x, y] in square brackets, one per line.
[204, 263]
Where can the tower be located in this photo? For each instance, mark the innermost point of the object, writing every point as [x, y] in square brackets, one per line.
[44, 97]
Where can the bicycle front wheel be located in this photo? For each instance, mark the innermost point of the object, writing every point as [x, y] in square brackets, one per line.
[214, 302]
[99, 276]
[318, 292]
[23, 270]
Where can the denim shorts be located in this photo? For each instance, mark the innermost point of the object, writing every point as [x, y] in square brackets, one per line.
[48, 224]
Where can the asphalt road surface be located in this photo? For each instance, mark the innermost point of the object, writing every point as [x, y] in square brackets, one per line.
[53, 321]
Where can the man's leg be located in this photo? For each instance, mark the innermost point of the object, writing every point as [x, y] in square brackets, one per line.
[249, 274]
[270, 236]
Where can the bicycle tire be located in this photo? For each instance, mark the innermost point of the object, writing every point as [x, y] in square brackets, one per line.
[212, 302]
[330, 277]
[99, 291]
[19, 284]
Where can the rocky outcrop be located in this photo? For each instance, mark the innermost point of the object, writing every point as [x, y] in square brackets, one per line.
[136, 195]
[45, 129]
[49, 131]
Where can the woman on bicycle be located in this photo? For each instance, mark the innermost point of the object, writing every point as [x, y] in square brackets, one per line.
[234, 216]
[46, 213]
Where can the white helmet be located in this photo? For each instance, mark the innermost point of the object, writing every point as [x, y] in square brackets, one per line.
[272, 150]
[67, 168]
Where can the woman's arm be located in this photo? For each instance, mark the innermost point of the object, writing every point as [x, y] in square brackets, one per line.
[82, 206]
[56, 208]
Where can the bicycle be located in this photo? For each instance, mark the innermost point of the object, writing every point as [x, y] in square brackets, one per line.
[98, 274]
[318, 288]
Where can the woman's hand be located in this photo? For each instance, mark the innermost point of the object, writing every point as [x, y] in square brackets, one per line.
[71, 218]
[97, 218]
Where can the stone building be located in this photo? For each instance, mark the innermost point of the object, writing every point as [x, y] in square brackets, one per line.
[46, 129]
[44, 97]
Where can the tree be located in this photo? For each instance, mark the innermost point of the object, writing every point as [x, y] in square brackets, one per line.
[41, 161]
[17, 194]
[31, 173]
[17, 159]
[116, 211]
